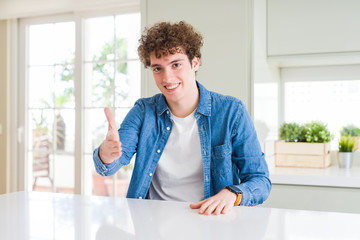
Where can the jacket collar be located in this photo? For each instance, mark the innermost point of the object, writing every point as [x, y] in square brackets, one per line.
[204, 106]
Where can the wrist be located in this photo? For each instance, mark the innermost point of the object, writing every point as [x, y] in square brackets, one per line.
[102, 158]
[237, 193]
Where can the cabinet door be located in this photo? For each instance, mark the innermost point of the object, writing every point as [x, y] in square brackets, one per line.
[297, 27]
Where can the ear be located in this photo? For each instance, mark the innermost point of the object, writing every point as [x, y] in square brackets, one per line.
[196, 63]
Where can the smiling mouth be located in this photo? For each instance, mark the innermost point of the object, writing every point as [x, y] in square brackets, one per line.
[171, 87]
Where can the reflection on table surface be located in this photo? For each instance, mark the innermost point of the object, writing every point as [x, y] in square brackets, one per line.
[37, 215]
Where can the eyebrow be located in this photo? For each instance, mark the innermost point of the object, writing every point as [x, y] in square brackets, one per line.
[173, 61]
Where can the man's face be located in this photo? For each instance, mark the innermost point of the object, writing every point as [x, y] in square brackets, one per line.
[175, 76]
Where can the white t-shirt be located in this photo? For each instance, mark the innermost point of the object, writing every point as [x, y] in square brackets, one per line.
[179, 175]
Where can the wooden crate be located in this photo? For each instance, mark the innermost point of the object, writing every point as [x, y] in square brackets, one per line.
[307, 155]
[357, 143]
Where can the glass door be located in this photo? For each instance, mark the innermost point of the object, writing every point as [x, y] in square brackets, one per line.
[71, 70]
[51, 107]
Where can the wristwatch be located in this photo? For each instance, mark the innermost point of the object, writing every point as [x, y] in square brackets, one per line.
[237, 192]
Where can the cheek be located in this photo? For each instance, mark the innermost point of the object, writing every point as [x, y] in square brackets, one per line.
[157, 79]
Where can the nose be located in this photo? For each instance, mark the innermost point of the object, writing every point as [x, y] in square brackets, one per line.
[168, 75]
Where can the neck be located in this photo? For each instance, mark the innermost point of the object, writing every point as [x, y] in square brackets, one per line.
[186, 107]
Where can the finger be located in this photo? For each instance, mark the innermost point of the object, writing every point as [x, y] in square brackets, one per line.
[114, 149]
[205, 205]
[227, 208]
[219, 208]
[115, 154]
[210, 209]
[110, 119]
[196, 205]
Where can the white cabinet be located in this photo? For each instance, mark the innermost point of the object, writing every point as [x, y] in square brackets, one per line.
[315, 198]
[307, 27]
[321, 189]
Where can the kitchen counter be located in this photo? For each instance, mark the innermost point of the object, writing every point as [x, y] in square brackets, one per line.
[332, 176]
[34, 215]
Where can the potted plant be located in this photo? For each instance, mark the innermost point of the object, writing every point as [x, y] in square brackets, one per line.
[345, 155]
[292, 132]
[305, 145]
[354, 132]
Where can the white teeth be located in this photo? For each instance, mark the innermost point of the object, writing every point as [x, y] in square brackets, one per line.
[172, 87]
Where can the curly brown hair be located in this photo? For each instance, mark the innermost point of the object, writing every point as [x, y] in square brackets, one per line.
[166, 38]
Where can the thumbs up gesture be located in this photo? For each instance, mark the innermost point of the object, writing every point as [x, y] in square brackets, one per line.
[110, 149]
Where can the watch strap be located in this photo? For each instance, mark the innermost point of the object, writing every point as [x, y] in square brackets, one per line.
[237, 193]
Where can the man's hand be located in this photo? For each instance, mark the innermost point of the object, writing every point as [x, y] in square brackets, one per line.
[110, 149]
[222, 202]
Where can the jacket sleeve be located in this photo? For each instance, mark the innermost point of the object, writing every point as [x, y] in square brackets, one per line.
[129, 135]
[251, 169]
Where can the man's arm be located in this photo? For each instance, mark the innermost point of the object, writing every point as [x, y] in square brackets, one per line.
[250, 161]
[253, 171]
[110, 149]
[113, 154]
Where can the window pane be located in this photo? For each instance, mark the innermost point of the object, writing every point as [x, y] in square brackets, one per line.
[64, 86]
[96, 127]
[99, 38]
[41, 44]
[42, 174]
[100, 77]
[51, 43]
[41, 124]
[41, 87]
[128, 35]
[64, 42]
[64, 170]
[65, 130]
[266, 110]
[332, 102]
[127, 84]
[51, 89]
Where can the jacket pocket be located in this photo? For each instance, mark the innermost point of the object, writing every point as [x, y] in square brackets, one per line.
[221, 161]
[220, 151]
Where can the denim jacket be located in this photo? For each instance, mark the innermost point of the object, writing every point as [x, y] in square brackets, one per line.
[230, 149]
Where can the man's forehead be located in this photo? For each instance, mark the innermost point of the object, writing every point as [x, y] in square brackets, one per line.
[166, 58]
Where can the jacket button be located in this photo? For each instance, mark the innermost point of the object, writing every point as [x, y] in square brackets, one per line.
[168, 128]
[150, 174]
[158, 151]
[140, 197]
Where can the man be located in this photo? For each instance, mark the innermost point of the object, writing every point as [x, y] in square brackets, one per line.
[191, 144]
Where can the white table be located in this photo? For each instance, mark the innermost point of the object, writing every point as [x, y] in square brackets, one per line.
[61, 216]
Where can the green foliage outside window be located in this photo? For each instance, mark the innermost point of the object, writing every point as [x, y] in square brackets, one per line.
[107, 81]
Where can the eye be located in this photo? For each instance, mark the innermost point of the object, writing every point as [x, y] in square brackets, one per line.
[156, 69]
[176, 65]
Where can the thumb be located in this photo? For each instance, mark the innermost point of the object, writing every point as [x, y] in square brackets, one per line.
[112, 134]
[110, 119]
